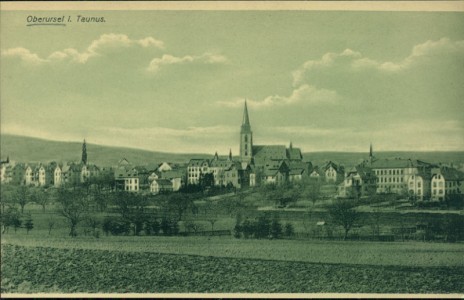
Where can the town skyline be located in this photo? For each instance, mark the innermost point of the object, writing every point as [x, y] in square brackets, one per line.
[174, 83]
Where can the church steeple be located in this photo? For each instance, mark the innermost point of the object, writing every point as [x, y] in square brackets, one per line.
[230, 154]
[246, 120]
[246, 138]
[371, 154]
[84, 153]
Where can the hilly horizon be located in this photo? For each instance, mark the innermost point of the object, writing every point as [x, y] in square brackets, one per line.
[34, 150]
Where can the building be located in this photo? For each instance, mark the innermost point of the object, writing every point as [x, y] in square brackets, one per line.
[161, 186]
[6, 171]
[332, 172]
[359, 181]
[57, 176]
[268, 163]
[446, 182]
[197, 168]
[419, 186]
[45, 175]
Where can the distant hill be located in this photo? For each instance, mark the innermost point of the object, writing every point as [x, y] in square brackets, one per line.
[27, 149]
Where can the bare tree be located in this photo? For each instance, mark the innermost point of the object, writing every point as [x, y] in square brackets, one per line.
[40, 197]
[312, 190]
[74, 206]
[343, 213]
[51, 224]
[22, 197]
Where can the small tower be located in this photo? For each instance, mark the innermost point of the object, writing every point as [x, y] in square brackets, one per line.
[230, 154]
[246, 138]
[371, 154]
[291, 145]
[216, 156]
[84, 153]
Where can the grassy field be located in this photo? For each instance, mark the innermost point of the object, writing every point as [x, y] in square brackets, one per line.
[314, 251]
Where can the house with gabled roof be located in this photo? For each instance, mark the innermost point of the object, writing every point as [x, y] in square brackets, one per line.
[359, 181]
[445, 182]
[332, 172]
[163, 167]
[161, 186]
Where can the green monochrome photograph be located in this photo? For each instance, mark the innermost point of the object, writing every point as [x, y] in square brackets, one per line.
[232, 149]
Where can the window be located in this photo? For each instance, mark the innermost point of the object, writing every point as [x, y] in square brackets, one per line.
[246, 139]
[440, 191]
[418, 184]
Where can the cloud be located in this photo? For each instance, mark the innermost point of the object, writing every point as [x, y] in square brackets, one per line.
[303, 94]
[207, 58]
[24, 54]
[352, 61]
[96, 48]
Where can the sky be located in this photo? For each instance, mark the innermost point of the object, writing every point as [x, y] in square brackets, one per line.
[176, 81]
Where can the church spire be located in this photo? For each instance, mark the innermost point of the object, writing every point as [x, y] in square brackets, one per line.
[246, 120]
[371, 154]
[84, 153]
[230, 154]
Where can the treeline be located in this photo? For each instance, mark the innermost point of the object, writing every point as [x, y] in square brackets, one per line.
[262, 227]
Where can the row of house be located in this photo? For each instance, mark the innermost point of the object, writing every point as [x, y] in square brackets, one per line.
[412, 178]
[165, 177]
[51, 174]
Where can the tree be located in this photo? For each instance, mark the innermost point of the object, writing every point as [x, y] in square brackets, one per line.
[40, 197]
[206, 180]
[289, 231]
[93, 223]
[263, 226]
[276, 228]
[7, 196]
[191, 226]
[375, 222]
[51, 224]
[73, 206]
[211, 211]
[22, 197]
[100, 198]
[11, 217]
[454, 228]
[312, 190]
[178, 204]
[28, 224]
[344, 214]
[131, 207]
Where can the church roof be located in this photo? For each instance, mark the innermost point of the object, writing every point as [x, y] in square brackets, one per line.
[294, 154]
[262, 152]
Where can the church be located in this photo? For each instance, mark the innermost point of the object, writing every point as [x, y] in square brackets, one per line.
[269, 163]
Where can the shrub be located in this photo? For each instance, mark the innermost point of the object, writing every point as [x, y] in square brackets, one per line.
[289, 231]
[115, 226]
